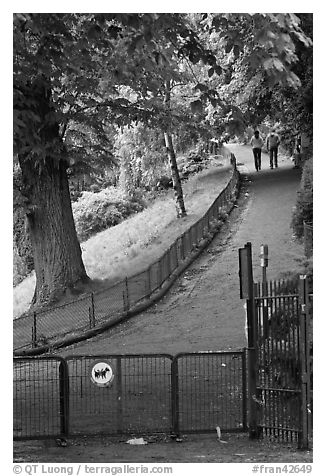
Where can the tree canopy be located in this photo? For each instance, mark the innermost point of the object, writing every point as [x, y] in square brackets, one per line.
[77, 75]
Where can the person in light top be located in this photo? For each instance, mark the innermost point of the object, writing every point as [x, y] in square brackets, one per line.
[257, 143]
[272, 143]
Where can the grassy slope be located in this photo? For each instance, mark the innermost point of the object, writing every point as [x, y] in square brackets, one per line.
[134, 244]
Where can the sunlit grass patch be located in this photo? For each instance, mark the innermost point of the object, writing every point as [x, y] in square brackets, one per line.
[137, 242]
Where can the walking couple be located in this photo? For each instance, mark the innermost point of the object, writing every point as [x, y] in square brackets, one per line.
[272, 143]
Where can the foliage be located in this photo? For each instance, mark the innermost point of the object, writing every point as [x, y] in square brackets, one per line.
[73, 85]
[141, 152]
[80, 60]
[290, 107]
[94, 212]
[303, 211]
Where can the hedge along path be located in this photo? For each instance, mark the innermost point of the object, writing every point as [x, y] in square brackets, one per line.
[66, 317]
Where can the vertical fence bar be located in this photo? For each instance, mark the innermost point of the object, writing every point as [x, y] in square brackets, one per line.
[182, 247]
[159, 272]
[196, 233]
[93, 309]
[169, 262]
[175, 255]
[91, 312]
[119, 396]
[125, 294]
[149, 284]
[34, 331]
[303, 442]
[244, 390]
[64, 398]
[175, 396]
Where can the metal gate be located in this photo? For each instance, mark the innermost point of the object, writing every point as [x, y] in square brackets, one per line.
[130, 394]
[40, 396]
[283, 355]
[137, 400]
[210, 390]
[279, 328]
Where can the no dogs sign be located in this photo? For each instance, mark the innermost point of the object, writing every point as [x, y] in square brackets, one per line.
[102, 374]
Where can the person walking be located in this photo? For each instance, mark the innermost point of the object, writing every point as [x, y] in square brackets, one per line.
[272, 143]
[257, 143]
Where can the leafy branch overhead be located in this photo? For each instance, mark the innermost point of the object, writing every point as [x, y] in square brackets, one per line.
[81, 78]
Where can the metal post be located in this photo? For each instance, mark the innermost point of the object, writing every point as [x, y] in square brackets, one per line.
[64, 398]
[264, 264]
[175, 397]
[93, 309]
[183, 247]
[247, 291]
[125, 295]
[149, 285]
[304, 356]
[34, 332]
[169, 255]
[159, 272]
[244, 391]
[91, 313]
[119, 397]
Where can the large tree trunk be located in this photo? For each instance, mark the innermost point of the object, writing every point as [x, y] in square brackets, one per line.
[57, 254]
[56, 250]
[180, 206]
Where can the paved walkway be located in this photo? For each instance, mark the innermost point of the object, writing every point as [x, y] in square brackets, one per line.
[203, 311]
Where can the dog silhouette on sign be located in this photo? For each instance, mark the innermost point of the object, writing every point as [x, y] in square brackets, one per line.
[101, 373]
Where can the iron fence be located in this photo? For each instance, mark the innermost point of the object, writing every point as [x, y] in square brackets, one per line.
[40, 394]
[210, 391]
[43, 328]
[129, 394]
[284, 360]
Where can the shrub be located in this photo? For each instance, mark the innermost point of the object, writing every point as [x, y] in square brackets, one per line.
[95, 212]
[303, 211]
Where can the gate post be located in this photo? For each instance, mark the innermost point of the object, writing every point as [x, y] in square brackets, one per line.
[175, 396]
[304, 359]
[64, 397]
[247, 292]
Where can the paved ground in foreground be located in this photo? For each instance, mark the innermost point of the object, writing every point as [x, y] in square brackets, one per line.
[193, 449]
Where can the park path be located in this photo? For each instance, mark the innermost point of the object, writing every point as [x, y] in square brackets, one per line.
[203, 310]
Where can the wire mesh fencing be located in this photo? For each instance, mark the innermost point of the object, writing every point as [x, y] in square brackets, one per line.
[137, 400]
[40, 396]
[129, 394]
[44, 328]
[211, 391]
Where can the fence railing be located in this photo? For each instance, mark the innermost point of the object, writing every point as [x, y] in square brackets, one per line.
[129, 394]
[102, 307]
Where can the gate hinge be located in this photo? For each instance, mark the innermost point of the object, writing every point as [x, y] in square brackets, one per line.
[303, 308]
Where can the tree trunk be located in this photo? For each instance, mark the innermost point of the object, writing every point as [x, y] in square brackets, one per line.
[57, 254]
[180, 206]
[56, 250]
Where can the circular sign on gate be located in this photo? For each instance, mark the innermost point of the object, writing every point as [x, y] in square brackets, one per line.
[102, 374]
